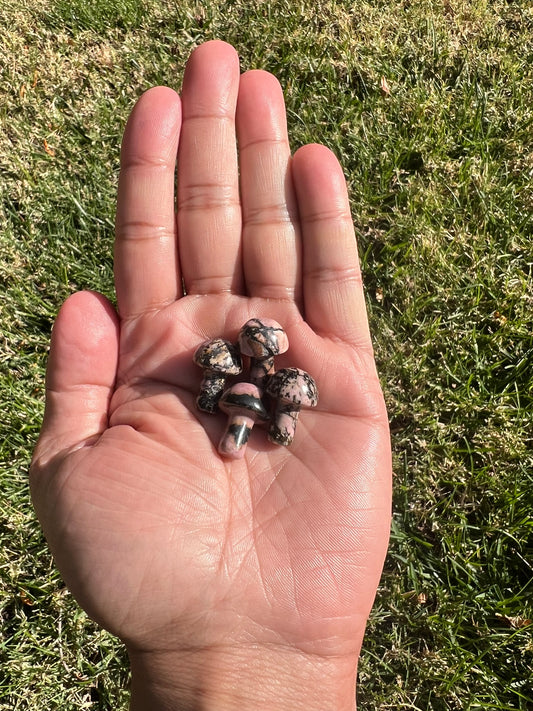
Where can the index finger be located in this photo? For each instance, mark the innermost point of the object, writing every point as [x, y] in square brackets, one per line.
[146, 266]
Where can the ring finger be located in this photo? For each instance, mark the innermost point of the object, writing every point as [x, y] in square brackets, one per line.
[271, 243]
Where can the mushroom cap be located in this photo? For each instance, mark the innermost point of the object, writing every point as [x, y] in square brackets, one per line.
[243, 398]
[262, 338]
[294, 386]
[219, 355]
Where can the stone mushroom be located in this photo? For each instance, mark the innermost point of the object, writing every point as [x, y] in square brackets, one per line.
[218, 358]
[242, 402]
[262, 339]
[293, 389]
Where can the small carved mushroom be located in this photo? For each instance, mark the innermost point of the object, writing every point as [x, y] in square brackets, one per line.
[262, 339]
[242, 402]
[293, 389]
[219, 358]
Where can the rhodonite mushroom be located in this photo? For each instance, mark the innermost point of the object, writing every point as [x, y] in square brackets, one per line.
[262, 339]
[242, 402]
[218, 358]
[293, 389]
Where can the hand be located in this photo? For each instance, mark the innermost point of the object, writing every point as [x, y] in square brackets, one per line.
[222, 577]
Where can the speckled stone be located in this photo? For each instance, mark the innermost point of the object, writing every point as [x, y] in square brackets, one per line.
[219, 358]
[262, 339]
[242, 403]
[293, 389]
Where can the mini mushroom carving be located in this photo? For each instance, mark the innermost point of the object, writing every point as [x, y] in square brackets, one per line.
[218, 358]
[242, 402]
[293, 389]
[262, 339]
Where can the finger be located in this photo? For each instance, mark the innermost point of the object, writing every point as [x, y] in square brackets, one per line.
[209, 213]
[333, 292]
[146, 270]
[271, 243]
[80, 376]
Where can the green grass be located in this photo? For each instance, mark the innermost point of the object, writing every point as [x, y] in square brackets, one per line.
[440, 172]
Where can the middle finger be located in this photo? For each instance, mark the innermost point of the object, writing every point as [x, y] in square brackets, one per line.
[209, 212]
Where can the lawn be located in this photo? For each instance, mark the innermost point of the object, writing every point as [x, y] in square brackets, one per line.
[429, 107]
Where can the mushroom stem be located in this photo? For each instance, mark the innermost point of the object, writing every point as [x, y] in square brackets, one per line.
[283, 426]
[261, 339]
[211, 389]
[235, 437]
[260, 371]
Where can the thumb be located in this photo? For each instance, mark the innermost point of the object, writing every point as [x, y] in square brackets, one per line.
[80, 375]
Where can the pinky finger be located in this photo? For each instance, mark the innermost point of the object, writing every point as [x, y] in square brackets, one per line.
[334, 302]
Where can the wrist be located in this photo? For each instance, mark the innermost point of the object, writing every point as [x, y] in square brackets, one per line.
[243, 678]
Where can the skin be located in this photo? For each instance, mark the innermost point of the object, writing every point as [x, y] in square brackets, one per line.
[233, 583]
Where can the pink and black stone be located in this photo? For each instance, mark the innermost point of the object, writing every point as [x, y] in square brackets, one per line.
[293, 389]
[218, 358]
[242, 403]
[262, 339]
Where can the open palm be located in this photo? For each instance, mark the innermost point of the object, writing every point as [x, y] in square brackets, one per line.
[162, 541]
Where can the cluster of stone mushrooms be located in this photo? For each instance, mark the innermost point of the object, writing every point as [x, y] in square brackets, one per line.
[290, 389]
